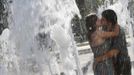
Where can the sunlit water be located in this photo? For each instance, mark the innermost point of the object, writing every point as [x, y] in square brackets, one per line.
[39, 40]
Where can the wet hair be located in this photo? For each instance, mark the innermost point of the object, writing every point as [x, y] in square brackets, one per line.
[90, 24]
[110, 15]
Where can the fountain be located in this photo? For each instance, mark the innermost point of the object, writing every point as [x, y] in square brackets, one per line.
[40, 39]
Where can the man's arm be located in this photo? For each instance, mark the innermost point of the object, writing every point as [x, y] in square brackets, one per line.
[110, 54]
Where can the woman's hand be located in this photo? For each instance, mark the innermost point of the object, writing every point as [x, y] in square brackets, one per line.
[100, 58]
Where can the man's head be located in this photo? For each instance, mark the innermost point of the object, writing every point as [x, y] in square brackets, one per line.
[109, 17]
[91, 22]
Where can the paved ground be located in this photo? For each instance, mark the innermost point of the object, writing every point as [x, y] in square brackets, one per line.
[85, 57]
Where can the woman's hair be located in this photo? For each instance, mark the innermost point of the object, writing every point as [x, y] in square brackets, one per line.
[91, 23]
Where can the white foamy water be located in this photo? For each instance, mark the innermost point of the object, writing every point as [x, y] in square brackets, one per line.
[39, 40]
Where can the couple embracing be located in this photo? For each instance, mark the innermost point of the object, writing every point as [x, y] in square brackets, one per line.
[108, 44]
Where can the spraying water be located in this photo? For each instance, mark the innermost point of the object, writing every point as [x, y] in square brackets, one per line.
[40, 39]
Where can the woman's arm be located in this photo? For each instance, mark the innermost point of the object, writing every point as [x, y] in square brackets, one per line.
[114, 33]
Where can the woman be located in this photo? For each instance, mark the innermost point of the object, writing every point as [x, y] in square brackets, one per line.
[100, 44]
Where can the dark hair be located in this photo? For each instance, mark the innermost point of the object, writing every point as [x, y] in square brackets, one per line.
[110, 15]
[90, 24]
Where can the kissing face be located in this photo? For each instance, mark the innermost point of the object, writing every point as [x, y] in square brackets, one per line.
[104, 21]
[98, 22]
